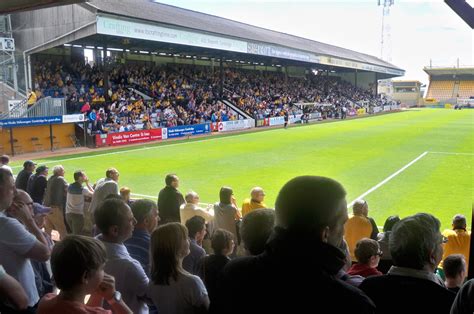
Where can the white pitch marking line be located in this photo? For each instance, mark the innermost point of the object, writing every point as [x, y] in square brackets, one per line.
[387, 179]
[452, 153]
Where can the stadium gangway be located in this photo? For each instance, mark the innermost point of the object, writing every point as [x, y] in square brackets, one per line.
[45, 107]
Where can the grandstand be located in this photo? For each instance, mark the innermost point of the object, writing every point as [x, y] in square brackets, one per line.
[137, 65]
[450, 85]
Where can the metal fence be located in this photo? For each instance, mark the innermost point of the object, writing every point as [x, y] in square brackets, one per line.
[45, 107]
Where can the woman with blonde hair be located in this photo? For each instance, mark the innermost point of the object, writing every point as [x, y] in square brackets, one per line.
[172, 289]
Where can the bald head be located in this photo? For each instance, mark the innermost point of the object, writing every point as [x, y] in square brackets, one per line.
[257, 194]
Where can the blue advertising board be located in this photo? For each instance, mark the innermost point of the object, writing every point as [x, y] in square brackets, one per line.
[13, 123]
[185, 130]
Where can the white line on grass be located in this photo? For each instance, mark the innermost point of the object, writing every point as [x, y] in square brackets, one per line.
[387, 179]
[452, 153]
[147, 196]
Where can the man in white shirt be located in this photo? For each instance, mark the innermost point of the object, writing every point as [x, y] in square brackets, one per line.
[20, 241]
[4, 160]
[116, 222]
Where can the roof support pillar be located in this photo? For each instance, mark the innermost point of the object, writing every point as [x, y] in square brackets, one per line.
[221, 77]
[355, 78]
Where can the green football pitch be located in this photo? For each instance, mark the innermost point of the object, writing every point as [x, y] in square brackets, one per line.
[402, 163]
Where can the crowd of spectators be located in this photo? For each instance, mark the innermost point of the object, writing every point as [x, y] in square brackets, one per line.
[138, 256]
[144, 97]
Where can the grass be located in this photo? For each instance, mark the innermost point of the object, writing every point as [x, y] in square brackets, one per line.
[359, 153]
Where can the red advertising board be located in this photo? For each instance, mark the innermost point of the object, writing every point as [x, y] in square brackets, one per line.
[128, 137]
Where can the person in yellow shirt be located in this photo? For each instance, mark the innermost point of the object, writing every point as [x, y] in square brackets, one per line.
[31, 98]
[458, 238]
[257, 195]
[357, 227]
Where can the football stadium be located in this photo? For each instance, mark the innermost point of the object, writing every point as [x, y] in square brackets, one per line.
[159, 159]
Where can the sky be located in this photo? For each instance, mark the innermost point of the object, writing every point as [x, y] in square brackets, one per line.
[420, 30]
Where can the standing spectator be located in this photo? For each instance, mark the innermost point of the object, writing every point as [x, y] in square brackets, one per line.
[191, 209]
[464, 302]
[358, 226]
[125, 194]
[416, 246]
[454, 268]
[56, 195]
[196, 231]
[4, 161]
[75, 199]
[257, 195]
[170, 200]
[31, 98]
[256, 229]
[104, 187]
[19, 241]
[226, 214]
[368, 255]
[375, 229]
[383, 239]
[310, 214]
[172, 289]
[138, 246]
[116, 222]
[78, 268]
[23, 176]
[11, 292]
[37, 184]
[458, 238]
[212, 266]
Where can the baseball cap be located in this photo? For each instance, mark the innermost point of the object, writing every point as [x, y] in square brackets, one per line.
[39, 209]
[41, 169]
[28, 163]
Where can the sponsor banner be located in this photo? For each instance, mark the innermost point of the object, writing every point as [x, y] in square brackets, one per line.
[314, 115]
[281, 52]
[395, 107]
[72, 118]
[147, 31]
[186, 130]
[12, 123]
[277, 121]
[465, 101]
[352, 112]
[377, 109]
[360, 112]
[128, 137]
[235, 125]
[386, 108]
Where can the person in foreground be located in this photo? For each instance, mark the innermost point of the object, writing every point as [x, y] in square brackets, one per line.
[411, 285]
[310, 216]
[172, 289]
[78, 268]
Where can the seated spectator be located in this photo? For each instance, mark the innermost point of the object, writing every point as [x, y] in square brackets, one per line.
[353, 280]
[383, 239]
[454, 268]
[254, 202]
[416, 247]
[197, 231]
[191, 208]
[11, 292]
[458, 238]
[310, 213]
[357, 227]
[256, 228]
[138, 246]
[464, 302]
[78, 268]
[20, 237]
[212, 265]
[172, 289]
[226, 214]
[116, 223]
[368, 255]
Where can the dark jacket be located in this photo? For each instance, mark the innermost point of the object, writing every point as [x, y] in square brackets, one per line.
[295, 274]
[169, 201]
[22, 179]
[402, 294]
[37, 188]
[464, 303]
[212, 267]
